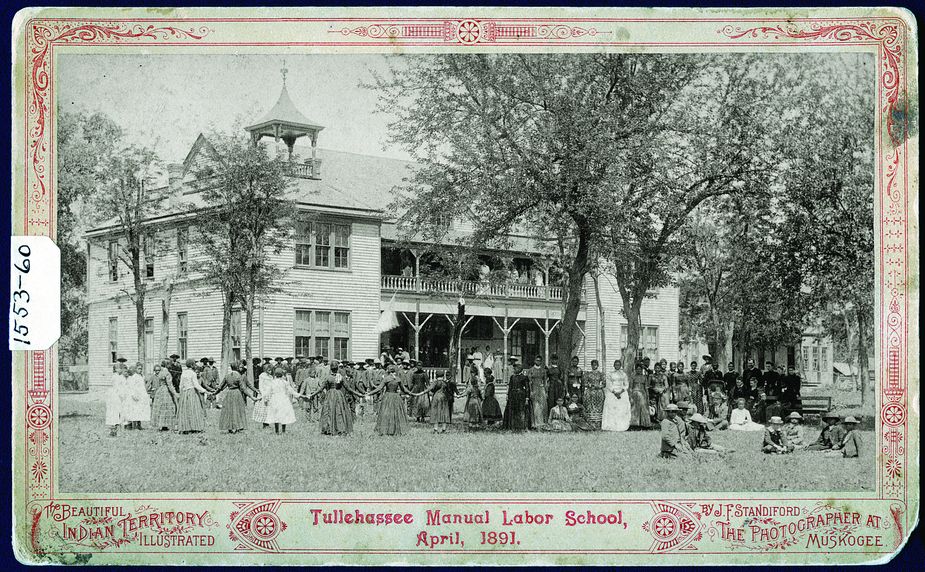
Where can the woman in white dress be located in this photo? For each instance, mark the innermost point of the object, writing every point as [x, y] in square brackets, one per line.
[616, 414]
[278, 399]
[138, 404]
[115, 399]
[741, 419]
[260, 406]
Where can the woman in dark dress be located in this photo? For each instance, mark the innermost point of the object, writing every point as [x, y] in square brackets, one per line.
[576, 381]
[420, 402]
[234, 409]
[491, 410]
[336, 419]
[474, 403]
[555, 382]
[391, 419]
[439, 408]
[639, 399]
[516, 415]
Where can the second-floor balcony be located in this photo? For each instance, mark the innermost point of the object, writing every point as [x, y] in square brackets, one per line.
[472, 288]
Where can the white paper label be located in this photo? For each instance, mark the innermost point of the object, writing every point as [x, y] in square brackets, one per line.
[35, 293]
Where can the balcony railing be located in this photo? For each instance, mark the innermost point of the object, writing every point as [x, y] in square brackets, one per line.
[307, 170]
[451, 287]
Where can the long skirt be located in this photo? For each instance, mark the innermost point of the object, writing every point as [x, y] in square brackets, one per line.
[234, 412]
[164, 410]
[279, 409]
[639, 408]
[137, 403]
[539, 408]
[115, 414]
[556, 390]
[391, 419]
[190, 414]
[336, 419]
[491, 409]
[474, 411]
[440, 408]
[420, 406]
[617, 412]
[516, 416]
[259, 414]
[594, 405]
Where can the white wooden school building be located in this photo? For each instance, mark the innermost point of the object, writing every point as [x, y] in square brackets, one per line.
[342, 270]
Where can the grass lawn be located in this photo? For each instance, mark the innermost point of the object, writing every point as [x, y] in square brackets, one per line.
[257, 460]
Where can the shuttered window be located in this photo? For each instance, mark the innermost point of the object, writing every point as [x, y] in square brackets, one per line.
[113, 339]
[322, 333]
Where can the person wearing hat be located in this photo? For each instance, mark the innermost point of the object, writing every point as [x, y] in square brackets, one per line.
[700, 438]
[741, 419]
[175, 369]
[419, 404]
[775, 439]
[683, 421]
[794, 430]
[718, 411]
[674, 443]
[516, 411]
[850, 446]
[832, 434]
[334, 418]
[696, 382]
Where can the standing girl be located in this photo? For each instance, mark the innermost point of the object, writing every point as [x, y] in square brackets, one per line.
[191, 417]
[164, 410]
[115, 398]
[639, 400]
[391, 418]
[594, 394]
[234, 407]
[474, 404]
[491, 409]
[260, 407]
[335, 419]
[439, 407]
[617, 408]
[279, 401]
[420, 401]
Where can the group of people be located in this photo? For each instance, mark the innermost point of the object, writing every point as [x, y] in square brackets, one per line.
[685, 432]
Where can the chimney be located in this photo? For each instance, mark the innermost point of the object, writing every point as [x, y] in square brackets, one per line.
[175, 178]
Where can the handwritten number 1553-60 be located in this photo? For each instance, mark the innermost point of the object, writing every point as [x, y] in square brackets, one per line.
[21, 297]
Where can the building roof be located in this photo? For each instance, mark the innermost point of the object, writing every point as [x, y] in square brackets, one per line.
[285, 112]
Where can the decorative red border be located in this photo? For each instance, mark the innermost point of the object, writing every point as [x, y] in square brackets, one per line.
[675, 526]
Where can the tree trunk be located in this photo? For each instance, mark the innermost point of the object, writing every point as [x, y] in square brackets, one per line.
[572, 302]
[721, 336]
[248, 336]
[456, 341]
[139, 310]
[862, 354]
[165, 320]
[600, 320]
[633, 310]
[228, 301]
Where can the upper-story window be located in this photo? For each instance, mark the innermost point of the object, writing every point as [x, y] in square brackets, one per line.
[148, 250]
[113, 261]
[322, 245]
[182, 249]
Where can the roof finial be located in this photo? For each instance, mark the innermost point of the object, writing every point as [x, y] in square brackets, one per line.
[284, 71]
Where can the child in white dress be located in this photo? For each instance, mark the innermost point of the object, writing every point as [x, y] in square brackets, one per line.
[741, 419]
[278, 399]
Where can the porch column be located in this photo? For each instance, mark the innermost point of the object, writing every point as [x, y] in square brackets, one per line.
[547, 332]
[417, 325]
[505, 331]
[417, 269]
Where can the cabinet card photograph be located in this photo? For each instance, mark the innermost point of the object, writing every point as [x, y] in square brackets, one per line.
[464, 286]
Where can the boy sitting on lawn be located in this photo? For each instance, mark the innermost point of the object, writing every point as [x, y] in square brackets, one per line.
[674, 445]
[832, 434]
[775, 440]
[701, 439]
[850, 446]
[794, 431]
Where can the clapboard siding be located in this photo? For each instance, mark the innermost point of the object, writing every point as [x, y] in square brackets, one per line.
[661, 311]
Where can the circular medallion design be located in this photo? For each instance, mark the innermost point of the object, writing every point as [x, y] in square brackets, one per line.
[469, 31]
[893, 415]
[265, 525]
[38, 416]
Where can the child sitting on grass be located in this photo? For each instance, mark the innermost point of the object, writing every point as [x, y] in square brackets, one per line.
[702, 443]
[741, 420]
[850, 446]
[832, 434]
[794, 431]
[775, 440]
[559, 419]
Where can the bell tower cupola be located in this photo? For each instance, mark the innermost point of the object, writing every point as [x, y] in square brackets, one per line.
[286, 123]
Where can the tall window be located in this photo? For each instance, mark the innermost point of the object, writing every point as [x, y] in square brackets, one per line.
[322, 245]
[815, 358]
[341, 335]
[182, 334]
[149, 339]
[113, 261]
[825, 359]
[648, 341]
[236, 334]
[183, 249]
[148, 251]
[303, 332]
[322, 333]
[113, 339]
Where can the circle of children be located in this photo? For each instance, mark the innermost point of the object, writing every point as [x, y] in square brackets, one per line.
[686, 406]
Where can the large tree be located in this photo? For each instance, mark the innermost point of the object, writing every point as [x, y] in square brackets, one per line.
[247, 219]
[127, 196]
[537, 144]
[86, 143]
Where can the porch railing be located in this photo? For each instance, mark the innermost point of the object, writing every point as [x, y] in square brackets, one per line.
[472, 288]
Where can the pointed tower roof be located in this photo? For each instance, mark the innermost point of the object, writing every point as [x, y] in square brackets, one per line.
[285, 113]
